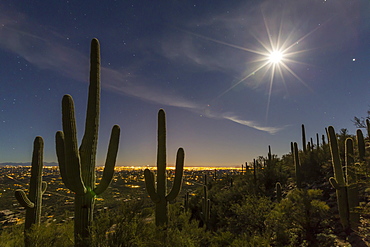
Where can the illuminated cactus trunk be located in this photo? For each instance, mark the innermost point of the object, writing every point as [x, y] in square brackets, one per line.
[33, 201]
[346, 189]
[159, 194]
[77, 166]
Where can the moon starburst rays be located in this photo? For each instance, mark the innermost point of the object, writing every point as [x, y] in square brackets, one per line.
[276, 54]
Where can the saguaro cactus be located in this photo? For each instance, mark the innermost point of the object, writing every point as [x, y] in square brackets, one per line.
[303, 138]
[33, 201]
[346, 190]
[77, 166]
[278, 192]
[159, 195]
[206, 206]
[360, 144]
[298, 168]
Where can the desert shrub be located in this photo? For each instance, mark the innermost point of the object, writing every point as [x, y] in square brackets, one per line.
[44, 235]
[249, 216]
[299, 219]
[133, 225]
[129, 225]
[52, 234]
[12, 236]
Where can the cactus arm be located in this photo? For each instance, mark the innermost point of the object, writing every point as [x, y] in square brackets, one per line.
[334, 183]
[178, 175]
[23, 199]
[349, 160]
[149, 184]
[59, 143]
[72, 158]
[360, 144]
[110, 161]
[44, 186]
[338, 171]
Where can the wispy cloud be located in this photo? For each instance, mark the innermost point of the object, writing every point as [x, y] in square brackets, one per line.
[45, 49]
[252, 124]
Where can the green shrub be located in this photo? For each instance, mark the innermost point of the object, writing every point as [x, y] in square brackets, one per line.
[299, 219]
[44, 235]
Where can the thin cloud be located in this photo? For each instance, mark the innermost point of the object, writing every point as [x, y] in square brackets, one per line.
[43, 49]
[252, 124]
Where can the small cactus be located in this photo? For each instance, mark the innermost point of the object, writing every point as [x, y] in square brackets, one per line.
[206, 206]
[278, 192]
[317, 141]
[159, 194]
[186, 201]
[33, 201]
[255, 172]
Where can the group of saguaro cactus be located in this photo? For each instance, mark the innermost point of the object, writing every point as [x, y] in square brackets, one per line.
[344, 183]
[158, 193]
[77, 166]
[37, 187]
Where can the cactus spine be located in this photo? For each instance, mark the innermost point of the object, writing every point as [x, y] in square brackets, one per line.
[346, 190]
[33, 201]
[158, 195]
[77, 166]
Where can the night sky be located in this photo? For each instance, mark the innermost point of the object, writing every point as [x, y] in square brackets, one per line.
[206, 63]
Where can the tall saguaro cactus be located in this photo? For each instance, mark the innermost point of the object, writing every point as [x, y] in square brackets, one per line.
[33, 201]
[303, 138]
[345, 184]
[159, 194]
[77, 166]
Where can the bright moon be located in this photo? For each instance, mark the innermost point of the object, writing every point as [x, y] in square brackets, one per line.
[275, 57]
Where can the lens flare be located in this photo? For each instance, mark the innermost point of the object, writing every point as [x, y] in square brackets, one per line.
[276, 57]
